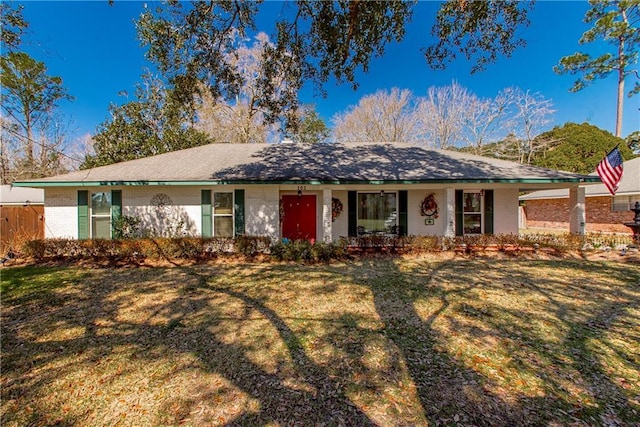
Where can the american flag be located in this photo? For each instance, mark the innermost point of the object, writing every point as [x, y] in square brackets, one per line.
[610, 170]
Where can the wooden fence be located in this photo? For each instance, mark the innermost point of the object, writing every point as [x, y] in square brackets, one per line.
[20, 223]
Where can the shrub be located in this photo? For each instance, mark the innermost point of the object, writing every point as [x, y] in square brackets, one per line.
[305, 251]
[219, 245]
[35, 249]
[559, 242]
[192, 248]
[422, 244]
[127, 227]
[184, 248]
[251, 245]
[322, 252]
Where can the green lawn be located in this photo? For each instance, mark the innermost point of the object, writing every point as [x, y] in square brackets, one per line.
[380, 341]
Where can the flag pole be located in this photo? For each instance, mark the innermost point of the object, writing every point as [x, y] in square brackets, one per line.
[611, 151]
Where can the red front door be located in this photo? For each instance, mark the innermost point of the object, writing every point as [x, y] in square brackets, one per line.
[299, 222]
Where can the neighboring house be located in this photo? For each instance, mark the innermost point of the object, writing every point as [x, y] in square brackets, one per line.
[295, 191]
[21, 213]
[604, 213]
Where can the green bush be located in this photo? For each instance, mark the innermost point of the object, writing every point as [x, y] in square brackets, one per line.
[127, 227]
[305, 251]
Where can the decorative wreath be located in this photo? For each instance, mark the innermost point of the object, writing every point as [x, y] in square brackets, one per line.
[336, 208]
[429, 206]
[162, 204]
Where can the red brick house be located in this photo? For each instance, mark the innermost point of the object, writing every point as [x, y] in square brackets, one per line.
[549, 209]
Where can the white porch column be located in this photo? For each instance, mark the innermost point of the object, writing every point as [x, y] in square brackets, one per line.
[450, 212]
[577, 215]
[327, 228]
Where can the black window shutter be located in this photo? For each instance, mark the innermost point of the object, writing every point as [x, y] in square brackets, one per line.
[488, 211]
[352, 206]
[459, 213]
[403, 214]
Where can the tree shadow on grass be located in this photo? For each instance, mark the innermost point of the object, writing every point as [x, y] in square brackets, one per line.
[327, 404]
[449, 392]
[97, 308]
[445, 382]
[198, 312]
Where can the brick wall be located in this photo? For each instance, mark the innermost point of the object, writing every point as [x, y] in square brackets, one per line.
[554, 214]
[61, 213]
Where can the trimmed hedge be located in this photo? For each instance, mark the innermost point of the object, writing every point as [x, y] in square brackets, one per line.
[135, 250]
[198, 249]
[304, 251]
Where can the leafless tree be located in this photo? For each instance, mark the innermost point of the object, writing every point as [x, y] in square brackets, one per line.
[50, 149]
[485, 120]
[382, 117]
[530, 114]
[241, 120]
[444, 113]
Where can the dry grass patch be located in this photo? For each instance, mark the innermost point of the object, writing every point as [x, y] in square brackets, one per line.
[385, 341]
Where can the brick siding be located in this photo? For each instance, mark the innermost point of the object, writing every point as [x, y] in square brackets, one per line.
[554, 214]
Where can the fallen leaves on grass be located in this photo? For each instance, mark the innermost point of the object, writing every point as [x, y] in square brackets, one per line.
[387, 341]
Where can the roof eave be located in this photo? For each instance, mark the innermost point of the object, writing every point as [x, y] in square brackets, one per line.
[44, 184]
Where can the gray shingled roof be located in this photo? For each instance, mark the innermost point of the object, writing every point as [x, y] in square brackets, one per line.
[629, 185]
[318, 163]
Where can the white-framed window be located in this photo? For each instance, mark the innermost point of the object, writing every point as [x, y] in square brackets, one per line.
[623, 203]
[377, 213]
[222, 212]
[100, 212]
[472, 204]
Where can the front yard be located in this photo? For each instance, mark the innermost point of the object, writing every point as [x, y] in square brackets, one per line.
[379, 341]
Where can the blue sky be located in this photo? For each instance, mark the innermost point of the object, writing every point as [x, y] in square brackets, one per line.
[93, 47]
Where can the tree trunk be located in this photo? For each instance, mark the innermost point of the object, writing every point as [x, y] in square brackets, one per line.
[620, 88]
[29, 144]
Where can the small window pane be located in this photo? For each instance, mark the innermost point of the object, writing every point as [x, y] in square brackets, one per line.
[624, 203]
[472, 202]
[223, 226]
[472, 224]
[223, 203]
[377, 213]
[101, 227]
[101, 204]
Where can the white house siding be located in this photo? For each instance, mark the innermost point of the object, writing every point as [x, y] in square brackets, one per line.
[183, 206]
[262, 211]
[416, 222]
[340, 227]
[505, 211]
[61, 213]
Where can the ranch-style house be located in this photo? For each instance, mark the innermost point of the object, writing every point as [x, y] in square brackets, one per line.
[302, 191]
